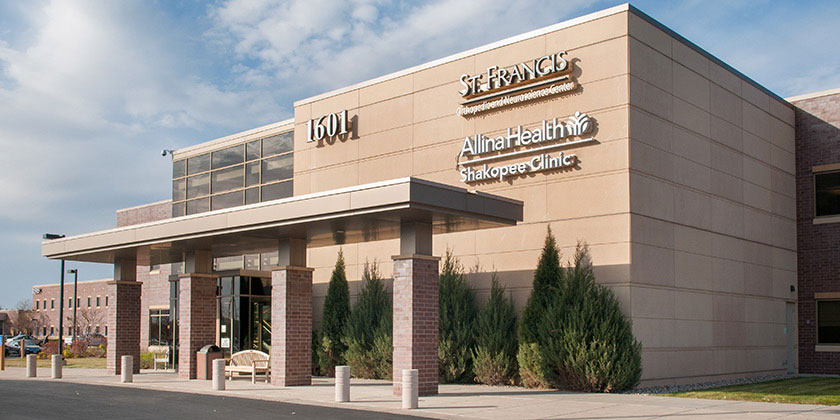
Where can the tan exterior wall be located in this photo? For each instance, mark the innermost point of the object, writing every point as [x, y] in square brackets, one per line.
[407, 126]
[686, 201]
[712, 201]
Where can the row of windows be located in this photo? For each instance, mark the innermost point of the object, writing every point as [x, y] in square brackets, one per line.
[267, 147]
[247, 173]
[827, 194]
[42, 304]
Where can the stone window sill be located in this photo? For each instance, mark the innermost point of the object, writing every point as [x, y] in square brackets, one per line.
[826, 219]
[827, 348]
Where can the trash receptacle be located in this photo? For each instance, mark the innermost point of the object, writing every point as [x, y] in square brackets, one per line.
[204, 361]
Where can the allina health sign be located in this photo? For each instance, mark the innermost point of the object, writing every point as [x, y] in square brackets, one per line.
[544, 138]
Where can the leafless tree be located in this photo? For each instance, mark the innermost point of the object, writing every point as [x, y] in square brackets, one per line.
[24, 320]
[86, 319]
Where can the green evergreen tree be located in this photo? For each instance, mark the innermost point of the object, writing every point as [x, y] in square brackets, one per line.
[456, 322]
[585, 342]
[494, 357]
[548, 277]
[336, 312]
[368, 334]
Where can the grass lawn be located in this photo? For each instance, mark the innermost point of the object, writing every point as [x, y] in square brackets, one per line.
[88, 362]
[807, 390]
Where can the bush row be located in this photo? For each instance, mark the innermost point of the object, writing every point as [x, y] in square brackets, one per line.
[571, 335]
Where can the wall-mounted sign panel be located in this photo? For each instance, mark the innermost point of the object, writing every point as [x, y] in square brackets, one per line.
[499, 87]
[327, 126]
[545, 138]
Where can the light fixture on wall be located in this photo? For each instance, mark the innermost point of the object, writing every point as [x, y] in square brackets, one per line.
[165, 152]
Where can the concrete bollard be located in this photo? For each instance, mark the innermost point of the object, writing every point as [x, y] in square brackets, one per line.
[31, 366]
[57, 363]
[219, 374]
[342, 383]
[410, 388]
[127, 369]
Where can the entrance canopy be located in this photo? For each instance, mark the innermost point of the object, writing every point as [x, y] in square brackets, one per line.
[363, 213]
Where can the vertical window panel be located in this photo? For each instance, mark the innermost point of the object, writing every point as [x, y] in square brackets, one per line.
[229, 156]
[179, 168]
[198, 186]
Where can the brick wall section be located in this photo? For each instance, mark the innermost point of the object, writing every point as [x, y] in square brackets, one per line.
[145, 213]
[291, 326]
[197, 319]
[416, 321]
[818, 263]
[124, 319]
[87, 289]
[155, 293]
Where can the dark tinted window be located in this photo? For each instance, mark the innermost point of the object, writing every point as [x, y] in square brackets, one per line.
[828, 322]
[252, 150]
[227, 179]
[229, 156]
[198, 164]
[277, 168]
[179, 168]
[198, 186]
[223, 201]
[278, 190]
[178, 209]
[252, 195]
[252, 174]
[827, 194]
[198, 206]
[280, 143]
[179, 189]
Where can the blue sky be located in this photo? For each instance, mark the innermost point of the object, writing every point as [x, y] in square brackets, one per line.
[91, 91]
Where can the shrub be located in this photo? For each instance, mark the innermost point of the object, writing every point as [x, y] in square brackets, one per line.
[494, 357]
[547, 278]
[48, 349]
[369, 329]
[147, 360]
[456, 323]
[586, 343]
[316, 352]
[336, 312]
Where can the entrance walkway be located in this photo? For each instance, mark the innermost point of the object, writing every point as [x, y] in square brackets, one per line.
[459, 401]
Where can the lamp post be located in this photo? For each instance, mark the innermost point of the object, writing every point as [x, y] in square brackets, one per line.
[49, 237]
[75, 273]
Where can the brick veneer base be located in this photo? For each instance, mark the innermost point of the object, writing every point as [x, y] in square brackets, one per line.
[416, 321]
[196, 319]
[291, 326]
[124, 319]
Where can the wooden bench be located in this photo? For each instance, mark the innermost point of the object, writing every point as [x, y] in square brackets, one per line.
[161, 355]
[249, 361]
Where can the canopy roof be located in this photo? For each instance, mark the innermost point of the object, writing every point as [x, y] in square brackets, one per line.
[363, 213]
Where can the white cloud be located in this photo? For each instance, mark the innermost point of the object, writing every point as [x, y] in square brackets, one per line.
[326, 45]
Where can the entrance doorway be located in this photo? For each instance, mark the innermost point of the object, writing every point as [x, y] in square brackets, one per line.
[244, 311]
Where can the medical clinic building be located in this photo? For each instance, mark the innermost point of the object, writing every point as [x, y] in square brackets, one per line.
[677, 171]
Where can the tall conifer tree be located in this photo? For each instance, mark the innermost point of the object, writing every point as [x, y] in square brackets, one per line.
[336, 313]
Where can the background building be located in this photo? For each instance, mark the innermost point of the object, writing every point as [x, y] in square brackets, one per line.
[91, 308]
[818, 230]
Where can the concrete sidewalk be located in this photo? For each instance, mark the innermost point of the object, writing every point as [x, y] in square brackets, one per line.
[460, 401]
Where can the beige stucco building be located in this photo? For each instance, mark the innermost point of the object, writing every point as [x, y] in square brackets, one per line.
[681, 181]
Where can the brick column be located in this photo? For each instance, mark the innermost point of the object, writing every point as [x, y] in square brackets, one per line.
[416, 320]
[123, 316]
[291, 326]
[196, 319]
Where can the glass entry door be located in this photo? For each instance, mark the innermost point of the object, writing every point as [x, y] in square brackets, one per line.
[244, 313]
[261, 325]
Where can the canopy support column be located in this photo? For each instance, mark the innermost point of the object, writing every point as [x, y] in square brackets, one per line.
[196, 310]
[416, 308]
[124, 316]
[291, 316]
